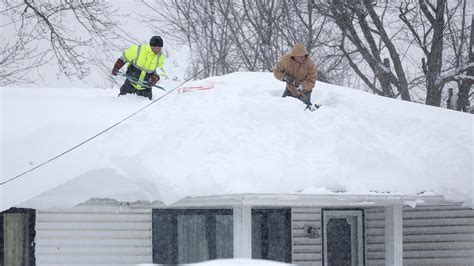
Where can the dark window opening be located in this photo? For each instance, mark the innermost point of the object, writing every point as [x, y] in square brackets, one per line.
[271, 234]
[189, 236]
[17, 235]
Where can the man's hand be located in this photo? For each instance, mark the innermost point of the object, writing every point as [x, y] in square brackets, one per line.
[118, 65]
[291, 80]
[154, 78]
[297, 94]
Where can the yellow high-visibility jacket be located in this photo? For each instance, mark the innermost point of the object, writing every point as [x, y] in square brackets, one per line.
[142, 62]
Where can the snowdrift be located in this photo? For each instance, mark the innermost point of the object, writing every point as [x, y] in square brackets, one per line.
[236, 136]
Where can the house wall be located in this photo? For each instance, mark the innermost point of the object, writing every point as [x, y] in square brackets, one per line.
[436, 234]
[93, 236]
[306, 251]
[99, 235]
[374, 236]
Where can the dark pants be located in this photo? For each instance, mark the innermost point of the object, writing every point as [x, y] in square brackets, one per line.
[127, 88]
[305, 98]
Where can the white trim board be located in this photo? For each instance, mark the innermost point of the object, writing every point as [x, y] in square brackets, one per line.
[299, 200]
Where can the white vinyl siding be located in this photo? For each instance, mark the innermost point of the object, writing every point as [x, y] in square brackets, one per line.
[306, 250]
[442, 235]
[374, 236]
[93, 236]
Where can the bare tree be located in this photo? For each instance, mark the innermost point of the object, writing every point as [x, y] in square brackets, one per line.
[376, 52]
[302, 22]
[434, 29]
[460, 54]
[264, 17]
[465, 85]
[14, 64]
[228, 36]
[204, 26]
[264, 30]
[364, 35]
[48, 24]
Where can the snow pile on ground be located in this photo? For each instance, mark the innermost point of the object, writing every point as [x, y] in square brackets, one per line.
[231, 262]
[239, 136]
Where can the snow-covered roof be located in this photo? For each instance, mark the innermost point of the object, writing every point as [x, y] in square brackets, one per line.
[238, 137]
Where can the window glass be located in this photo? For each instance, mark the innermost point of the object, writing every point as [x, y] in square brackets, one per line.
[188, 236]
[271, 234]
[343, 237]
[193, 244]
[224, 236]
[338, 242]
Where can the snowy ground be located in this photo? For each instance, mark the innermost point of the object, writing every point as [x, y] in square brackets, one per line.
[232, 262]
[239, 137]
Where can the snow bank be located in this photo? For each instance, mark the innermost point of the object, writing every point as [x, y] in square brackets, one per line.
[238, 137]
[231, 262]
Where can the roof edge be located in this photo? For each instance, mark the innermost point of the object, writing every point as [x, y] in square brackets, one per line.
[307, 200]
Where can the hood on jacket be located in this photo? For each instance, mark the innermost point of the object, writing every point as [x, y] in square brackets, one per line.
[299, 50]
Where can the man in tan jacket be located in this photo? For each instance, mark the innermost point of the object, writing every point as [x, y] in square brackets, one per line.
[299, 72]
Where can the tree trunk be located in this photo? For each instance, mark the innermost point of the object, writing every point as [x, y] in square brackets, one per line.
[466, 84]
[385, 80]
[433, 67]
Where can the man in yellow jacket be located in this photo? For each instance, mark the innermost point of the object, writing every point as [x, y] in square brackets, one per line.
[143, 60]
[299, 72]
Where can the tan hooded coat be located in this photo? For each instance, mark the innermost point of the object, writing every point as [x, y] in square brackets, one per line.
[306, 72]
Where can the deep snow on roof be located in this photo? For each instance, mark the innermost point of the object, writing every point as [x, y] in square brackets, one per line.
[238, 137]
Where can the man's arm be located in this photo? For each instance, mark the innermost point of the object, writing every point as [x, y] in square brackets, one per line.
[310, 81]
[127, 56]
[117, 66]
[279, 71]
[161, 65]
[291, 82]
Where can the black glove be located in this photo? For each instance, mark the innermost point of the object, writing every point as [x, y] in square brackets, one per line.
[154, 78]
[118, 65]
[291, 80]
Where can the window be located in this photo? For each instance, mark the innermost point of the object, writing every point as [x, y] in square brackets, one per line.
[188, 236]
[271, 234]
[17, 234]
